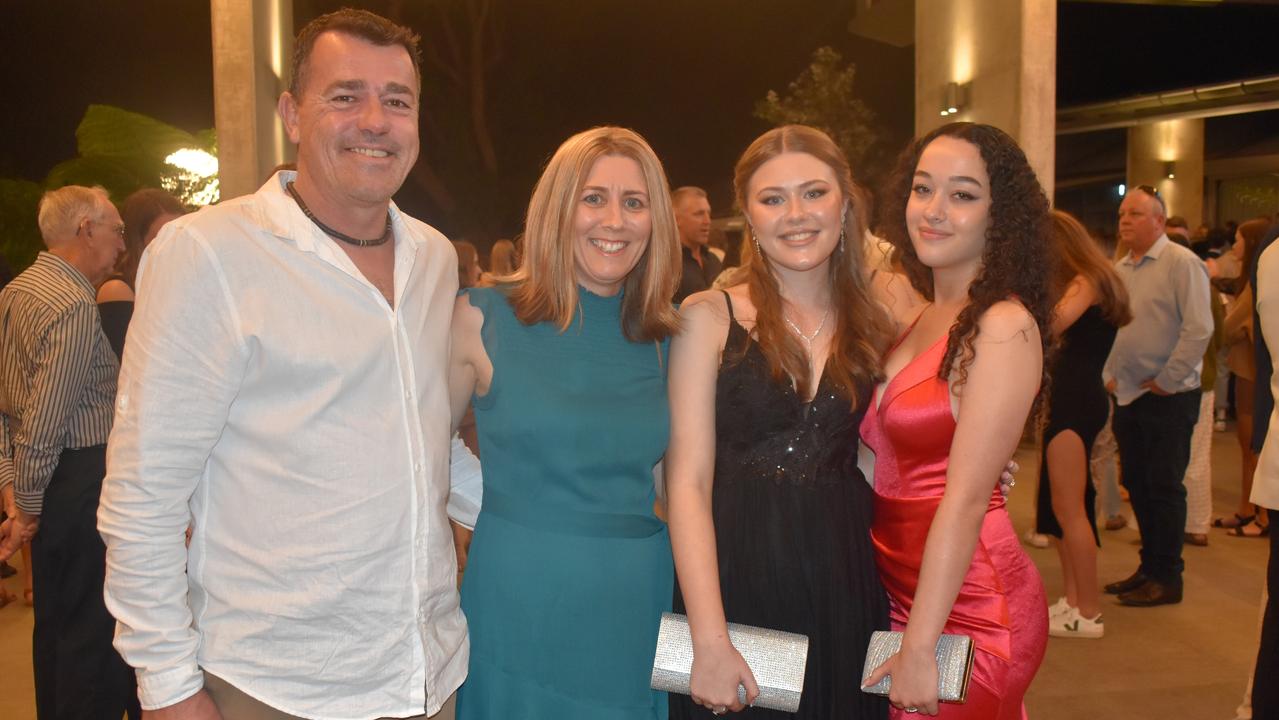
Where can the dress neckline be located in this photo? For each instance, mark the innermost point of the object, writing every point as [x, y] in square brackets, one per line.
[881, 392]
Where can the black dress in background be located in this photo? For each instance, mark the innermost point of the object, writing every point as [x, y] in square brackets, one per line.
[792, 525]
[1077, 401]
[115, 317]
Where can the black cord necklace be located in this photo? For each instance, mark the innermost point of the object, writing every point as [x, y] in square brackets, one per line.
[386, 233]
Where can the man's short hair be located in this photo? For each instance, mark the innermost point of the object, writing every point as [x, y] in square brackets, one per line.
[680, 193]
[360, 24]
[61, 211]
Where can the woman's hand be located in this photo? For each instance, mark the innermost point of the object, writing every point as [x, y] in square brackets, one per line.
[914, 687]
[717, 672]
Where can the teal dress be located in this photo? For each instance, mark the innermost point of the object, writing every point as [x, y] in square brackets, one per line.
[569, 570]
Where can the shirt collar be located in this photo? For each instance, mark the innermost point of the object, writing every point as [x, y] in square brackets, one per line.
[73, 274]
[280, 215]
[1153, 253]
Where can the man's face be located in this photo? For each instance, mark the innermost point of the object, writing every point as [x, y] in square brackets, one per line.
[104, 239]
[693, 218]
[1141, 220]
[355, 122]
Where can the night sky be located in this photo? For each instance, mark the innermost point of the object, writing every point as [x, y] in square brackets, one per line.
[685, 73]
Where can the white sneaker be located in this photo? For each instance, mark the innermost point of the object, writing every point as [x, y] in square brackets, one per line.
[1059, 607]
[1073, 625]
[1034, 539]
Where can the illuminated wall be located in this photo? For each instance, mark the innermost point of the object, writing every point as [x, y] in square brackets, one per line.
[1003, 56]
[252, 47]
[1176, 148]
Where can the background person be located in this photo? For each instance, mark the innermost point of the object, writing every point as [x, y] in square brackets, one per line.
[144, 213]
[1248, 520]
[57, 389]
[1154, 372]
[1092, 307]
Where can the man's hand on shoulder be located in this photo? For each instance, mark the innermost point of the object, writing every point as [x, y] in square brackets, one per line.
[197, 707]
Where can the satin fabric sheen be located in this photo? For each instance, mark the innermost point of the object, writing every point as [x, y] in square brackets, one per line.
[1001, 604]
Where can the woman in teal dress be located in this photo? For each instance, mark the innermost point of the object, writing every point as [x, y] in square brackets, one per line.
[570, 569]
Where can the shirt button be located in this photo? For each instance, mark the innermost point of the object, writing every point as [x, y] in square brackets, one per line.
[417, 467]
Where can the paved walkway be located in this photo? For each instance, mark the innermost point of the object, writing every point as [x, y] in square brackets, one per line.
[1187, 661]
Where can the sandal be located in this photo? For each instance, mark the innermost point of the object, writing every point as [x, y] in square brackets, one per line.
[1235, 522]
[1251, 530]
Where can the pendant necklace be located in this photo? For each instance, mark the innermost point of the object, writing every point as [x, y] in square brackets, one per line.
[808, 339]
[386, 233]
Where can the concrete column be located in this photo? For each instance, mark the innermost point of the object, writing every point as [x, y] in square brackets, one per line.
[1004, 54]
[1174, 147]
[252, 47]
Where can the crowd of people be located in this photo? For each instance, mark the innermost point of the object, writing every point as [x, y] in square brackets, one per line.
[810, 439]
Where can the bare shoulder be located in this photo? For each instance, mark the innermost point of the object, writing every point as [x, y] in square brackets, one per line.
[1007, 320]
[115, 291]
[704, 309]
[467, 318]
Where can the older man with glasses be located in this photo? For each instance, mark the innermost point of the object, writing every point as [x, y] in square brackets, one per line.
[1154, 372]
[57, 389]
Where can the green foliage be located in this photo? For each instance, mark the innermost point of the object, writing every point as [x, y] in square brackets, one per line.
[120, 150]
[822, 96]
[19, 235]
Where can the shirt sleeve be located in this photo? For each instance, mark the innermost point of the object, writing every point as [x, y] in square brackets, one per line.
[183, 364]
[466, 484]
[6, 454]
[62, 360]
[1190, 283]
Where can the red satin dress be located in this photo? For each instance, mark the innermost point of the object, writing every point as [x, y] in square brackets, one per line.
[1001, 604]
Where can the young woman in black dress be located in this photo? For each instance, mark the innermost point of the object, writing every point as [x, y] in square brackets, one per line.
[769, 515]
[1092, 308]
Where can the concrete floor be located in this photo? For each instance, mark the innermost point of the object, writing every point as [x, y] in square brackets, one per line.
[1187, 661]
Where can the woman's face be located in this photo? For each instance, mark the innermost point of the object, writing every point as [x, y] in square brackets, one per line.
[948, 210]
[160, 221]
[612, 224]
[796, 210]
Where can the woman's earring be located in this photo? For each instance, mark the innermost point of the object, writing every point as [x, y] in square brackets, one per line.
[841, 239]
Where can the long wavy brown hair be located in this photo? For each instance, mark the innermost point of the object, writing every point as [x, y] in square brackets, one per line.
[1017, 261]
[1252, 232]
[1078, 254]
[862, 327]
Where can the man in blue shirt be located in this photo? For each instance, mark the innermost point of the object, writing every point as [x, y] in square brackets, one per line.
[1153, 371]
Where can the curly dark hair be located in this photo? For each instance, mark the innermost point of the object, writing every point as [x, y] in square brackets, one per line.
[1017, 262]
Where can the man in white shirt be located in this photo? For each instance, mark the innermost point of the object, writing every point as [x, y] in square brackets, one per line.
[283, 391]
[1265, 482]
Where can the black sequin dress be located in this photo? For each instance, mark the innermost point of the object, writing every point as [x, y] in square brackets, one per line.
[792, 526]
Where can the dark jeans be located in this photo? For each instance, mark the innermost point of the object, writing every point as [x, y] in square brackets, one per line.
[78, 674]
[1265, 689]
[1153, 433]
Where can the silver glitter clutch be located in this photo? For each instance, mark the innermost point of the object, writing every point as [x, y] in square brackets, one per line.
[954, 664]
[776, 659]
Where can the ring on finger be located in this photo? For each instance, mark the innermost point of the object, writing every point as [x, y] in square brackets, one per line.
[719, 710]
[911, 709]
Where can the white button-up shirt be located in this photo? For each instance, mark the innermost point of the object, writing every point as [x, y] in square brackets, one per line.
[270, 396]
[1265, 483]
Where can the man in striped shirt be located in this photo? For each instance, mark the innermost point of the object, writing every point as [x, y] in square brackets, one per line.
[57, 389]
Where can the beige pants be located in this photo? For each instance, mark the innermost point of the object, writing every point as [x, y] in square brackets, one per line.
[236, 705]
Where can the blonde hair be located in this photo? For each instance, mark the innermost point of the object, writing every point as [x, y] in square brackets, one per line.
[546, 283]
